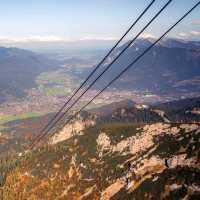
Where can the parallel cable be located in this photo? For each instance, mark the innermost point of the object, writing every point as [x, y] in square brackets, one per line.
[130, 65]
[129, 44]
[96, 68]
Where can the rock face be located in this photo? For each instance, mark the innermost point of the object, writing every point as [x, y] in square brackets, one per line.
[111, 161]
[142, 141]
[95, 164]
[110, 191]
[103, 143]
[72, 129]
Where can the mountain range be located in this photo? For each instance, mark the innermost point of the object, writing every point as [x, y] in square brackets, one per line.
[19, 69]
[172, 66]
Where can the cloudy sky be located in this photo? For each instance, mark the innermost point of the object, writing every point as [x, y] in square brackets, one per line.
[88, 21]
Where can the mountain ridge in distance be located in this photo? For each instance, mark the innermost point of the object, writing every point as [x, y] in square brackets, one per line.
[19, 69]
[172, 66]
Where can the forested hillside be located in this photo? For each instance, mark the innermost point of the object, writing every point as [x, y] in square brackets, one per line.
[126, 157]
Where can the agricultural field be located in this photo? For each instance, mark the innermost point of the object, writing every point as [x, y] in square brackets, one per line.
[56, 83]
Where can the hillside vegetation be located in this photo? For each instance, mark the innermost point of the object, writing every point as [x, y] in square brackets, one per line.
[128, 157]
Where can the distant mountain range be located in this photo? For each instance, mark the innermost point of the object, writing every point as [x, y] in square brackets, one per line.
[19, 69]
[175, 43]
[171, 66]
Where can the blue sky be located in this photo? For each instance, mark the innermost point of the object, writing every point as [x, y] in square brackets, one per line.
[26, 21]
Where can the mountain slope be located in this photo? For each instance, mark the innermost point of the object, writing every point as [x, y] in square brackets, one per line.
[171, 66]
[95, 165]
[19, 69]
[117, 159]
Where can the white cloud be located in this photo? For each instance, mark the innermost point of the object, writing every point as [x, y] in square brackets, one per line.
[99, 38]
[195, 33]
[147, 35]
[183, 35]
[31, 39]
[188, 34]
[44, 39]
[51, 39]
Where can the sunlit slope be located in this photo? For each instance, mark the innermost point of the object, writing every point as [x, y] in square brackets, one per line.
[117, 159]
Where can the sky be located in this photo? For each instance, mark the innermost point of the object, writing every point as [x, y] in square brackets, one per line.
[89, 22]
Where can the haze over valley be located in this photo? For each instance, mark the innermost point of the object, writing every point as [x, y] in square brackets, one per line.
[35, 82]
